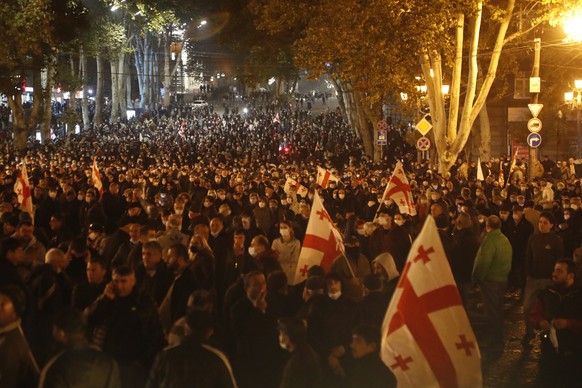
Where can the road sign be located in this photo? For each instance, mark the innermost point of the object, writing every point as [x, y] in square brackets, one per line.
[534, 140]
[382, 138]
[534, 84]
[423, 144]
[534, 125]
[423, 126]
[535, 109]
[382, 125]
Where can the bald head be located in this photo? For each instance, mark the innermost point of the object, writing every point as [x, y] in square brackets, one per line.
[56, 259]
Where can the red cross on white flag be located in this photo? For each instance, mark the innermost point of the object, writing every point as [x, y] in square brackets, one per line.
[299, 188]
[427, 340]
[96, 177]
[324, 177]
[322, 243]
[399, 190]
[22, 190]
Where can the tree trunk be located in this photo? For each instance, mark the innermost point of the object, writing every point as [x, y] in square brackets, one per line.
[115, 95]
[47, 106]
[19, 126]
[122, 78]
[98, 119]
[485, 131]
[85, 101]
[167, 67]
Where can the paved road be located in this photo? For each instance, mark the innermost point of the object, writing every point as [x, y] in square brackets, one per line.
[515, 368]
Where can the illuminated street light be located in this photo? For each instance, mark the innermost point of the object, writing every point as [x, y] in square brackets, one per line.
[573, 27]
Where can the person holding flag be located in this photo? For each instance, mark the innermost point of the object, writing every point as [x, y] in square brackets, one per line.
[22, 190]
[96, 177]
[399, 190]
[322, 243]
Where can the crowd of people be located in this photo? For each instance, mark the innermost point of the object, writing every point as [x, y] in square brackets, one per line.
[194, 240]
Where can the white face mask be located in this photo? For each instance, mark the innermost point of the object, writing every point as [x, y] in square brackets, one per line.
[283, 202]
[334, 295]
[253, 251]
[207, 204]
[284, 233]
[179, 212]
[399, 222]
[382, 221]
[341, 196]
[504, 217]
[92, 236]
[566, 217]
[283, 345]
[262, 205]
[53, 194]
[88, 199]
[214, 234]
[371, 203]
[80, 197]
[222, 197]
[253, 201]
[361, 232]
[574, 207]
[434, 197]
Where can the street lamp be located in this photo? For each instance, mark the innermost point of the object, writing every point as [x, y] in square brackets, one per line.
[574, 101]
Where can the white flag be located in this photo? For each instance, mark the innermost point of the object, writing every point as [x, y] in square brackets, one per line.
[299, 188]
[22, 190]
[427, 340]
[324, 177]
[399, 190]
[322, 243]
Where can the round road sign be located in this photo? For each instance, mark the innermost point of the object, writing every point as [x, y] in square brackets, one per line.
[534, 125]
[382, 125]
[534, 140]
[423, 144]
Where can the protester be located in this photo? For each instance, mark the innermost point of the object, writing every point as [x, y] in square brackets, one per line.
[226, 180]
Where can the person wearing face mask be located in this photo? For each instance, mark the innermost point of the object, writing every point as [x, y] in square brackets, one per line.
[173, 234]
[288, 248]
[263, 216]
[91, 211]
[352, 266]
[520, 230]
[380, 240]
[96, 238]
[568, 233]
[203, 264]
[266, 257]
[303, 368]
[48, 206]
[219, 241]
[329, 328]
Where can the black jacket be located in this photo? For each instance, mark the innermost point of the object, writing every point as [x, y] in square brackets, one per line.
[80, 366]
[190, 364]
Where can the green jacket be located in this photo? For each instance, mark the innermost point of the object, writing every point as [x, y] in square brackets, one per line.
[493, 260]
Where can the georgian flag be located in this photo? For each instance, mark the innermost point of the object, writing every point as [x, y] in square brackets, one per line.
[399, 190]
[299, 188]
[322, 243]
[427, 340]
[324, 177]
[22, 190]
[96, 177]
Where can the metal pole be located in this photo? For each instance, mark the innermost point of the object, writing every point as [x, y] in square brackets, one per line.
[534, 100]
[579, 131]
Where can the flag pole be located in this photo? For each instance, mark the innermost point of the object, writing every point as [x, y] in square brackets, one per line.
[349, 265]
